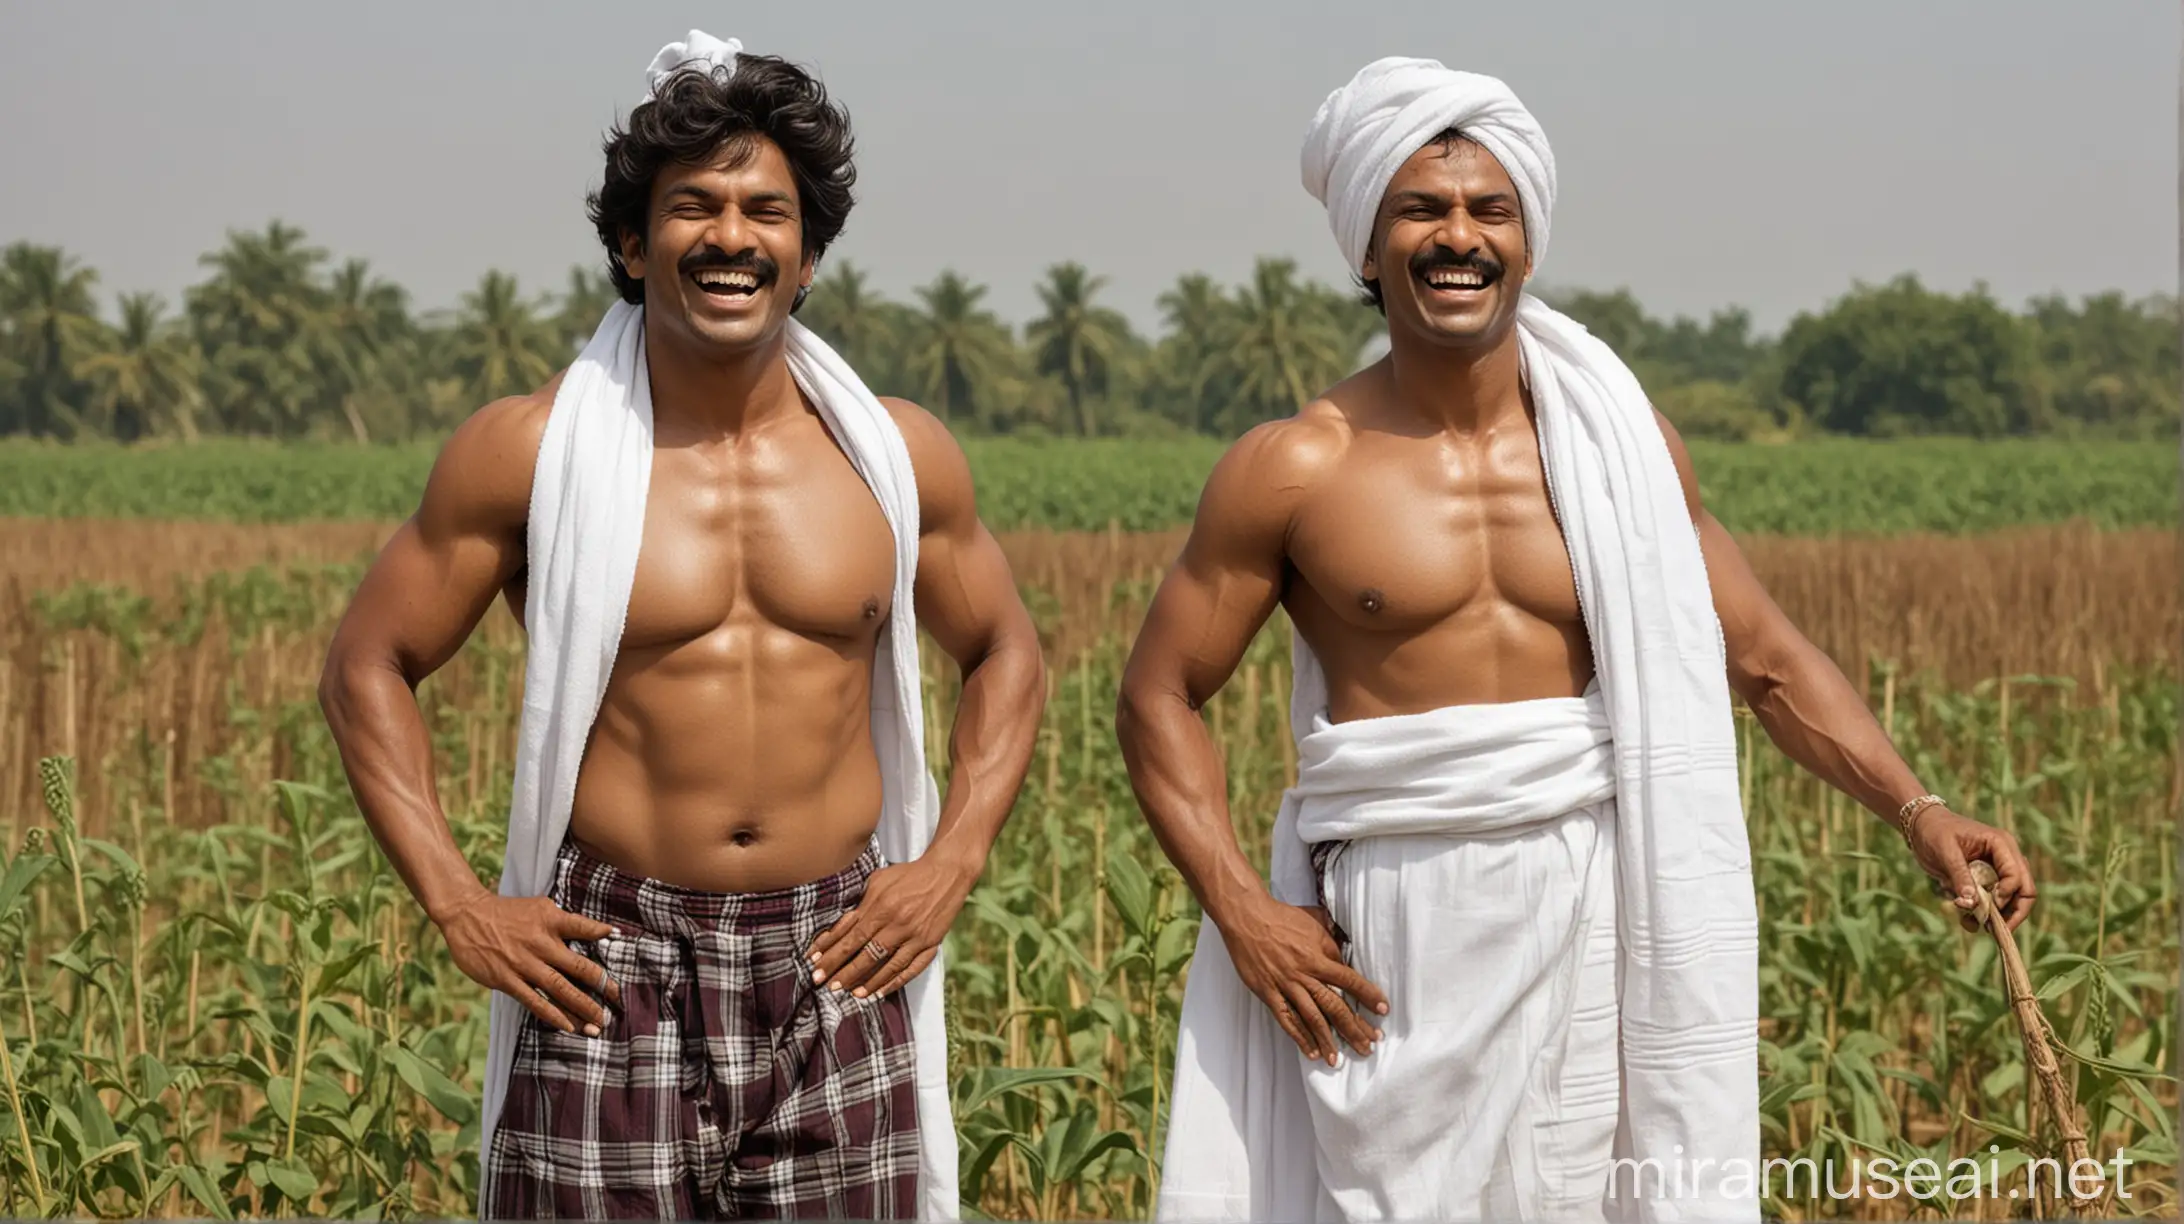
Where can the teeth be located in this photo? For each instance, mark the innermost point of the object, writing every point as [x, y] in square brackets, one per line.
[717, 279]
[1456, 280]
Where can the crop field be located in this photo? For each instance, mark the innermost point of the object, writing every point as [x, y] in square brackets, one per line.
[217, 999]
[1826, 486]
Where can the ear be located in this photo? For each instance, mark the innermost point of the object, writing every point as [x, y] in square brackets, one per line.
[810, 271]
[633, 254]
[1370, 269]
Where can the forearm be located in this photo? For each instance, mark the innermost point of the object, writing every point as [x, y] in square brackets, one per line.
[989, 750]
[1176, 773]
[1811, 711]
[386, 751]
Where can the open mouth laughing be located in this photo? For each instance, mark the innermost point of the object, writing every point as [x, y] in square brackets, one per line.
[728, 280]
[1444, 274]
[724, 283]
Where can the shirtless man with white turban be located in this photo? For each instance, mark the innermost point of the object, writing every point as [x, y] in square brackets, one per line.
[1513, 878]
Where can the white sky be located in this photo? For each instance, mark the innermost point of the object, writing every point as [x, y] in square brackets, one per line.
[1711, 151]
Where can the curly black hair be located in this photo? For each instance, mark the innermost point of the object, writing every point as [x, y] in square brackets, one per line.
[697, 114]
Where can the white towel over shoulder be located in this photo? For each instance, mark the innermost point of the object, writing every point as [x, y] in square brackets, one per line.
[586, 523]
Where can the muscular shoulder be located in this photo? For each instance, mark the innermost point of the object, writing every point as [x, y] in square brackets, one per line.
[945, 495]
[1274, 467]
[481, 481]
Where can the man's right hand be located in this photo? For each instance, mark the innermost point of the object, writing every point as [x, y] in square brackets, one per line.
[520, 947]
[1287, 955]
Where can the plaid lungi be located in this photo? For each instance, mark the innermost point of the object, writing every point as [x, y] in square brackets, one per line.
[726, 1085]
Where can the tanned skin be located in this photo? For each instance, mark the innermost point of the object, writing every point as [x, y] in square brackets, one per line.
[733, 750]
[1403, 522]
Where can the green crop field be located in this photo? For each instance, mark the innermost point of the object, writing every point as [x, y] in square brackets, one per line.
[1832, 486]
[217, 999]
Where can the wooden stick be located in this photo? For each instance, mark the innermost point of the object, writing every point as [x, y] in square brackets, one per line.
[2047, 1087]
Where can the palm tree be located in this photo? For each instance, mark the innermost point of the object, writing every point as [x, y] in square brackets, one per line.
[960, 351]
[850, 317]
[1196, 313]
[501, 345]
[1355, 324]
[1080, 345]
[355, 340]
[1279, 351]
[583, 304]
[255, 319]
[48, 324]
[145, 381]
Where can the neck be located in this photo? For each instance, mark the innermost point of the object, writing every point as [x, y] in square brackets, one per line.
[1464, 390]
[721, 394]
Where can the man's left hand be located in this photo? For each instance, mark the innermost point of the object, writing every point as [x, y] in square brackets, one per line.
[1945, 843]
[894, 932]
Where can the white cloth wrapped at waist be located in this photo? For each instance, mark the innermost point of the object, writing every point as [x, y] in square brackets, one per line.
[1470, 769]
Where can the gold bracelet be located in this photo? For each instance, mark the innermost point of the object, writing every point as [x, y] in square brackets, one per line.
[1909, 812]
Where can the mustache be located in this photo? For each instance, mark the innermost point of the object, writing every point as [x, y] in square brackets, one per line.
[1440, 256]
[749, 260]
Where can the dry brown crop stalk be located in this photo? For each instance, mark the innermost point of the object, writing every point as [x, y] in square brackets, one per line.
[2045, 1084]
[2058, 601]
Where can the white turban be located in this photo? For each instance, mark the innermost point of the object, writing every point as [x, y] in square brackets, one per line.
[697, 48]
[1365, 131]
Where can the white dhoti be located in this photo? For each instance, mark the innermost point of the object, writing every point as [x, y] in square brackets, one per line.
[1472, 868]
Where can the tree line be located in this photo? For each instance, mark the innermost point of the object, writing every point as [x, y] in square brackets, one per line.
[280, 340]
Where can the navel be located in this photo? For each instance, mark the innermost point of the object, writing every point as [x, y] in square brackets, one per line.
[743, 837]
[1371, 599]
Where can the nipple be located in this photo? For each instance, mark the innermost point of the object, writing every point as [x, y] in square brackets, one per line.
[1371, 599]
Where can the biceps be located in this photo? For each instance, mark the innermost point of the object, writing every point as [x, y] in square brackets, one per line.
[966, 593]
[1753, 627]
[422, 597]
[1199, 625]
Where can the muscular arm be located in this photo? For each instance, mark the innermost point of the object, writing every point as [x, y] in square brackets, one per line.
[967, 601]
[1802, 699]
[1211, 604]
[418, 603]
[1813, 713]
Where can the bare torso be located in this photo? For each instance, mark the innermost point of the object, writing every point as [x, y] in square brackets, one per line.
[1427, 569]
[733, 747]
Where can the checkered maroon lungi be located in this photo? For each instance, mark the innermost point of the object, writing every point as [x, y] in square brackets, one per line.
[726, 1085]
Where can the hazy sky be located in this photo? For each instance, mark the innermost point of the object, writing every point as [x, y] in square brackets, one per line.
[1711, 151]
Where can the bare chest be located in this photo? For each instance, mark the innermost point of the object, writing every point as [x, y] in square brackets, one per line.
[777, 533]
[1414, 532]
